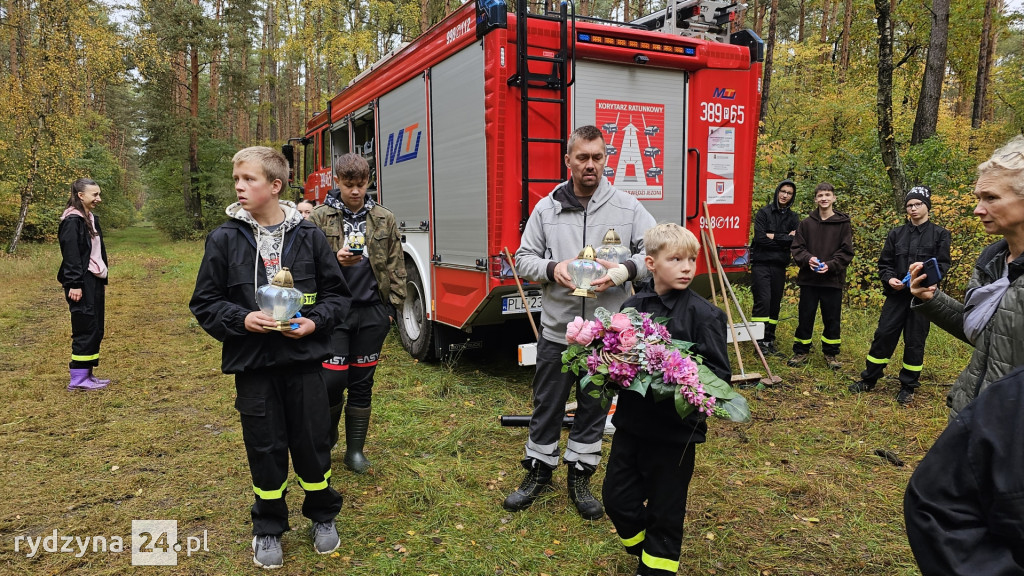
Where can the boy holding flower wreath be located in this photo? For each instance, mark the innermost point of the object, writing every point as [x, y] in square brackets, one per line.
[652, 453]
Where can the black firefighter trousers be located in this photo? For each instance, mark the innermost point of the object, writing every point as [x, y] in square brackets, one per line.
[641, 469]
[767, 285]
[897, 318]
[87, 318]
[551, 389]
[831, 302]
[285, 410]
[356, 344]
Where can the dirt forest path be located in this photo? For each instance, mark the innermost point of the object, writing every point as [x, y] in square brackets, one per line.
[89, 463]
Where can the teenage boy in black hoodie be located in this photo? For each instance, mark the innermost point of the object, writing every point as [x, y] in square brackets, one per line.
[774, 230]
[653, 451]
[281, 397]
[916, 241]
[823, 248]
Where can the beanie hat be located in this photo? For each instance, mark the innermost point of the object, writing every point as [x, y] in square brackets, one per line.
[922, 193]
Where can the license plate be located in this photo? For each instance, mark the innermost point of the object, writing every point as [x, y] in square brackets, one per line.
[514, 304]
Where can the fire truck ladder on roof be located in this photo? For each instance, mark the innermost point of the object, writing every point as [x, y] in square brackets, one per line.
[557, 81]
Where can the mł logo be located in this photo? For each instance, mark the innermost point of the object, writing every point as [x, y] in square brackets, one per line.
[724, 93]
[394, 154]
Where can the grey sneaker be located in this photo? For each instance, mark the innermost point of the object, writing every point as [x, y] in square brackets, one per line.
[832, 362]
[266, 551]
[325, 537]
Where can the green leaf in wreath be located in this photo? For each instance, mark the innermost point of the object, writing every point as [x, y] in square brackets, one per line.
[662, 390]
[737, 408]
[683, 408]
[640, 385]
[585, 380]
[714, 385]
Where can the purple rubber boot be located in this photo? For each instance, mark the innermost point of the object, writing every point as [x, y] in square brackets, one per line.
[99, 381]
[80, 380]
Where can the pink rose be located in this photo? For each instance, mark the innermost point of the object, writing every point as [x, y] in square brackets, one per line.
[579, 331]
[586, 334]
[620, 322]
[627, 339]
[572, 330]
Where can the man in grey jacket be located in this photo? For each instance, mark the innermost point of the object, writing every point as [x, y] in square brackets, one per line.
[577, 213]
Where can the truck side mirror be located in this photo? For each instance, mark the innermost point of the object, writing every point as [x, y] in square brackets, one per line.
[289, 153]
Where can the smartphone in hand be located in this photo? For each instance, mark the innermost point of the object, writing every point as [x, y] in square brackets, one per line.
[931, 272]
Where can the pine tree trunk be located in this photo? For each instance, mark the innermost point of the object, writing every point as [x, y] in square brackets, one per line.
[195, 207]
[844, 51]
[934, 74]
[886, 130]
[769, 56]
[215, 59]
[261, 102]
[997, 8]
[273, 110]
[981, 83]
[824, 28]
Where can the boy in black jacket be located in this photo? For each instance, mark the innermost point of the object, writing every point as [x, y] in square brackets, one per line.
[823, 249]
[652, 454]
[916, 241]
[774, 230]
[281, 396]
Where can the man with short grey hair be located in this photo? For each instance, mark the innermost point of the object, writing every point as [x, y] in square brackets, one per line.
[577, 213]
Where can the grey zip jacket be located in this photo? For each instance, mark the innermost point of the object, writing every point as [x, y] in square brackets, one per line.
[559, 229]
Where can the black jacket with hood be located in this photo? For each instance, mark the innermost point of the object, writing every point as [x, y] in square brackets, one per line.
[226, 292]
[831, 241]
[779, 220]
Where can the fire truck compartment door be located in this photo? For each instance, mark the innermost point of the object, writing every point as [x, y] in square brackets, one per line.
[459, 156]
[402, 145]
[640, 112]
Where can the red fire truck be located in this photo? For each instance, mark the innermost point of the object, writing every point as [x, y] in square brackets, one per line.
[465, 129]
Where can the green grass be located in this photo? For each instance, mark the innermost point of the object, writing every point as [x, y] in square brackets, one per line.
[796, 492]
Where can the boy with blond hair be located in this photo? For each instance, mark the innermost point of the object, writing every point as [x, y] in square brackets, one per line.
[281, 396]
[653, 450]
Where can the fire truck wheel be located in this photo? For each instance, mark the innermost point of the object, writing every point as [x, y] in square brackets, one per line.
[414, 327]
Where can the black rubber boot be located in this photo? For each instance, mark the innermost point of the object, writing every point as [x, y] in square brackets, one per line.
[357, 420]
[579, 493]
[537, 481]
[335, 422]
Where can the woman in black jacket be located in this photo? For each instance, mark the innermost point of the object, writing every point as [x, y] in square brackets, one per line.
[83, 275]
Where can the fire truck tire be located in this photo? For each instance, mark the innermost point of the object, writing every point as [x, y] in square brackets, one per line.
[416, 330]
